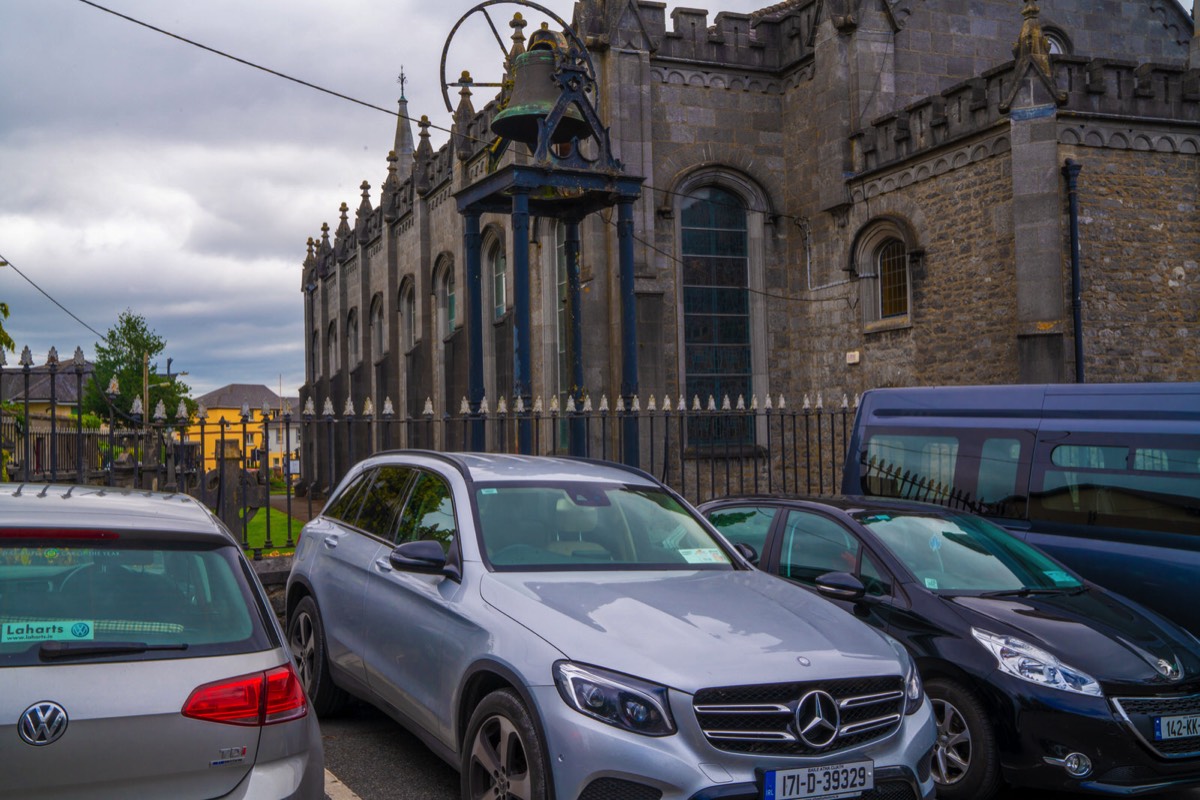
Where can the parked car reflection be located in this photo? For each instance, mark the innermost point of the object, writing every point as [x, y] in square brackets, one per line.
[1037, 677]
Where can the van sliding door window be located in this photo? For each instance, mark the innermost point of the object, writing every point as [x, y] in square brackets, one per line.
[1147, 484]
[983, 472]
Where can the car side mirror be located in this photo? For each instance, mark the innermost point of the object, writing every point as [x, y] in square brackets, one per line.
[747, 552]
[424, 556]
[840, 586]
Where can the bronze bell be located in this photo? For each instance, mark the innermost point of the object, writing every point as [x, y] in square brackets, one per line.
[534, 94]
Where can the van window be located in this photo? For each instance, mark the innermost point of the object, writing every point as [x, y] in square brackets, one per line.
[1142, 485]
[978, 471]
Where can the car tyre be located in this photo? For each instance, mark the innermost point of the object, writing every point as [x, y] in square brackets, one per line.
[306, 636]
[966, 764]
[503, 756]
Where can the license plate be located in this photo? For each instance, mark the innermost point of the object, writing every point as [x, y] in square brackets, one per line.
[1176, 727]
[826, 782]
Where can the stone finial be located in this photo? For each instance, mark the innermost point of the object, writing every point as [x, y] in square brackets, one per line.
[423, 158]
[1032, 44]
[1032, 53]
[311, 258]
[363, 215]
[463, 116]
[391, 188]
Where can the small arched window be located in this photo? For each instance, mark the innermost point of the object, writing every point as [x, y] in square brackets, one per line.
[892, 263]
[883, 257]
[447, 303]
[377, 333]
[498, 267]
[408, 318]
[331, 350]
[352, 337]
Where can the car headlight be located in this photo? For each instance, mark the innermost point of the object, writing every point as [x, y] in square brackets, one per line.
[1035, 665]
[914, 690]
[616, 699]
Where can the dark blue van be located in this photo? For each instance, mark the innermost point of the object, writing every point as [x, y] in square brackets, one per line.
[1105, 477]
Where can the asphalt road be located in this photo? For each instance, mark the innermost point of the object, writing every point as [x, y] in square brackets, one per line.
[373, 758]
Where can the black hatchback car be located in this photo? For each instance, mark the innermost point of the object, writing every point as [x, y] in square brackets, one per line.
[1037, 677]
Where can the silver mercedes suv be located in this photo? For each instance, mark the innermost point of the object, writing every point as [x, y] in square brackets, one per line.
[560, 628]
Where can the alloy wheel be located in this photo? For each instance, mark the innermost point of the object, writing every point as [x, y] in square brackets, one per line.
[499, 768]
[304, 647]
[952, 753]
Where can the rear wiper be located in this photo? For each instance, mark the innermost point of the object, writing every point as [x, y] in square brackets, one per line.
[50, 651]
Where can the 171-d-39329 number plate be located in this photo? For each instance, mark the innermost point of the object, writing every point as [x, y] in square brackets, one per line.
[827, 781]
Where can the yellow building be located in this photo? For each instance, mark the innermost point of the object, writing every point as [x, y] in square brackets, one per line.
[229, 421]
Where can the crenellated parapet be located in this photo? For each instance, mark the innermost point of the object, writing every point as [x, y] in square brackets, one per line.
[772, 41]
[1155, 91]
[961, 111]
[1136, 93]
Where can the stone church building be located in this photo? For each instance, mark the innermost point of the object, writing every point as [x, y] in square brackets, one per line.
[838, 195]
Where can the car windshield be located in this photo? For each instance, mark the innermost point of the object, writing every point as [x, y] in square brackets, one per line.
[955, 553]
[70, 600]
[591, 526]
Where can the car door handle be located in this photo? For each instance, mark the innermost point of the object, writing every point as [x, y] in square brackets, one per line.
[383, 564]
[331, 540]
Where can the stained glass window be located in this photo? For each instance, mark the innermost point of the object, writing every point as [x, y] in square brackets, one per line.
[716, 311]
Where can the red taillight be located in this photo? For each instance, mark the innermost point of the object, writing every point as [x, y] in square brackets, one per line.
[264, 698]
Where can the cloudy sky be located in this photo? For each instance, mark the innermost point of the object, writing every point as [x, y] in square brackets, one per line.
[139, 172]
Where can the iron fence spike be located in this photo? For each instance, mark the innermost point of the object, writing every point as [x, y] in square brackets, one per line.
[388, 409]
[620, 404]
[667, 403]
[554, 404]
[483, 406]
[537, 404]
[741, 402]
[368, 408]
[501, 406]
[603, 403]
[428, 409]
[820, 402]
[782, 402]
[587, 404]
[348, 411]
[637, 404]
[807, 404]
[464, 408]
[651, 406]
[726, 405]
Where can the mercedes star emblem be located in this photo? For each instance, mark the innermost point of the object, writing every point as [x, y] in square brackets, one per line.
[817, 719]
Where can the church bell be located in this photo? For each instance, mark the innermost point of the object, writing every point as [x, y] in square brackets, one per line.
[534, 95]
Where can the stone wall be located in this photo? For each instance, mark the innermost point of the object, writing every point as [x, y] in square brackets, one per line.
[1141, 279]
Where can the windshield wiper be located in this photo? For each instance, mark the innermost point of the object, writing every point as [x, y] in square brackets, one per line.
[1027, 591]
[50, 651]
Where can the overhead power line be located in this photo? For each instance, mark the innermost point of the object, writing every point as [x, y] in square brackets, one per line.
[30, 281]
[363, 103]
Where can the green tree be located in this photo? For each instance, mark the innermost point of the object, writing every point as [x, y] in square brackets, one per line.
[129, 348]
[6, 341]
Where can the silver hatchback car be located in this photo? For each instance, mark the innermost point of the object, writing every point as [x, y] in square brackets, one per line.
[559, 628]
[139, 657]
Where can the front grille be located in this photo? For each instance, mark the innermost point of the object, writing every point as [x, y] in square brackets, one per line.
[617, 789]
[1141, 711]
[762, 719]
